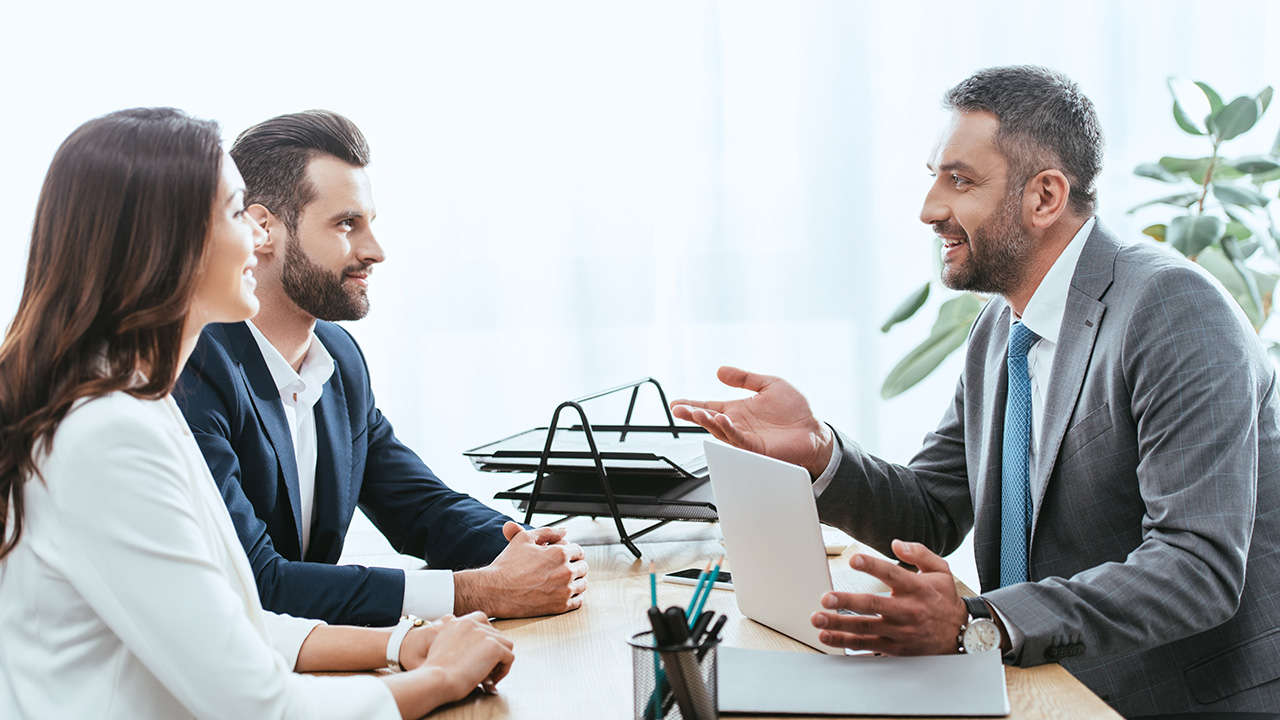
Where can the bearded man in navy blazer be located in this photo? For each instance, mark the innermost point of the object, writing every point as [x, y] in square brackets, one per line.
[283, 409]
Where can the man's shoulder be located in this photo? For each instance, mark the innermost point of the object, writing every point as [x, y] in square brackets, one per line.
[340, 343]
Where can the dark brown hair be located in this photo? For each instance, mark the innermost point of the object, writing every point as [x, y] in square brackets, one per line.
[116, 248]
[273, 156]
[1045, 122]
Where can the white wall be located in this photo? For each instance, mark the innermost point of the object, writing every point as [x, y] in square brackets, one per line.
[576, 194]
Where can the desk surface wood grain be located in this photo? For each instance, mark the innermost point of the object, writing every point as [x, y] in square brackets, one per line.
[578, 665]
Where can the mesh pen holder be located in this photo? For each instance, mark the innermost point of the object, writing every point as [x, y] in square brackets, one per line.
[674, 681]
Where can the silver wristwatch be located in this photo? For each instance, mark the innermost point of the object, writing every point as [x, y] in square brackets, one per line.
[979, 633]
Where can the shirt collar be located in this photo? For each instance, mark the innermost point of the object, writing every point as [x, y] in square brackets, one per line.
[1044, 311]
[317, 367]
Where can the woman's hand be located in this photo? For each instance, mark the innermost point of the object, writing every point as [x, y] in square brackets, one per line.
[416, 645]
[470, 652]
[462, 652]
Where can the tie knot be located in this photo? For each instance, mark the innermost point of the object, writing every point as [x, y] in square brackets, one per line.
[1020, 340]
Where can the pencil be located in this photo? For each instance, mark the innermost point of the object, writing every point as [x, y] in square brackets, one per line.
[702, 581]
[697, 610]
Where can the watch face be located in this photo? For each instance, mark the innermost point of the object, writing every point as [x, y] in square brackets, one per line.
[981, 636]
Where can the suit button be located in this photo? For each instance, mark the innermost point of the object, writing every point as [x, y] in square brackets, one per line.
[1051, 653]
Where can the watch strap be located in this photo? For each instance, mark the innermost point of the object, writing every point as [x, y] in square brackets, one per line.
[977, 607]
[402, 628]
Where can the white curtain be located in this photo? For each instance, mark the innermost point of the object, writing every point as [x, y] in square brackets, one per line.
[576, 194]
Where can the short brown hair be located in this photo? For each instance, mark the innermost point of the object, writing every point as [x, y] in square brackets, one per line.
[273, 155]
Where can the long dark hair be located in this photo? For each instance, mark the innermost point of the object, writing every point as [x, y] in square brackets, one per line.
[116, 249]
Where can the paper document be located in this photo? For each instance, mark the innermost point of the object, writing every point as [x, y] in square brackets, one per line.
[788, 683]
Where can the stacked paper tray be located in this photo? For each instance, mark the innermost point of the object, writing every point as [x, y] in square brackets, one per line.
[638, 450]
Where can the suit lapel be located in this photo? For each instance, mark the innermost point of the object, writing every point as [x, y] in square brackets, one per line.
[987, 509]
[270, 411]
[1079, 330]
[333, 472]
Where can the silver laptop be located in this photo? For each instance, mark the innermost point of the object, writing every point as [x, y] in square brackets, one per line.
[770, 523]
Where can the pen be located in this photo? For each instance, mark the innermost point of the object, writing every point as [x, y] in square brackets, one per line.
[656, 708]
[700, 626]
[712, 637]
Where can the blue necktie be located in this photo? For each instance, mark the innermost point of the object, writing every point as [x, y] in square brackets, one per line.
[1015, 475]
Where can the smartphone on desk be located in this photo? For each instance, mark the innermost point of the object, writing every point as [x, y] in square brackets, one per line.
[690, 577]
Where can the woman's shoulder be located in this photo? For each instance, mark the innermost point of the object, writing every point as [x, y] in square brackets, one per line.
[114, 420]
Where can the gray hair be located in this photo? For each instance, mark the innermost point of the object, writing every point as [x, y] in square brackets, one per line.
[1045, 122]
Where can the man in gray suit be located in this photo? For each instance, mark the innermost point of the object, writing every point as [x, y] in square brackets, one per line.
[1114, 439]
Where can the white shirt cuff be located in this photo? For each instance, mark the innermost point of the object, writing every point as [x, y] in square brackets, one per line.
[428, 593]
[1015, 635]
[837, 454]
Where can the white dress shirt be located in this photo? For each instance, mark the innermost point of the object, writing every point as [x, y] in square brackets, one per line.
[130, 596]
[1043, 316]
[427, 593]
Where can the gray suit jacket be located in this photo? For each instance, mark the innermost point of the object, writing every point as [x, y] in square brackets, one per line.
[1157, 486]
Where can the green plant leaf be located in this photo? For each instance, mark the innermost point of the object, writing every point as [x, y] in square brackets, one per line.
[1156, 232]
[1191, 234]
[1232, 194]
[1215, 100]
[1232, 250]
[1236, 118]
[1264, 100]
[1193, 168]
[1179, 200]
[1237, 230]
[1254, 164]
[1190, 106]
[1275, 146]
[1232, 276]
[1155, 171]
[907, 308]
[1263, 178]
[955, 318]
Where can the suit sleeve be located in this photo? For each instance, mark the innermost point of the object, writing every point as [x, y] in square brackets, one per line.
[1195, 387]
[337, 594]
[928, 499]
[135, 549]
[417, 512]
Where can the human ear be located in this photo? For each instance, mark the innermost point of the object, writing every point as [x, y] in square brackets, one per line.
[268, 221]
[1047, 197]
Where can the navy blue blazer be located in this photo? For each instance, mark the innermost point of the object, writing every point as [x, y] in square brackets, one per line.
[233, 406]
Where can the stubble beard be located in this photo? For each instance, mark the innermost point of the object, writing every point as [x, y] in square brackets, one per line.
[319, 292]
[1000, 251]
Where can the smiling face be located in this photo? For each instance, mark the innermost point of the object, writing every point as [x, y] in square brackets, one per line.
[986, 244]
[327, 261]
[224, 292]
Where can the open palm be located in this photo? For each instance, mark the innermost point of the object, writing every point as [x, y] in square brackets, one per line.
[775, 421]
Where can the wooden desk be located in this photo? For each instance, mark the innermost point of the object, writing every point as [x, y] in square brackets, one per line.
[578, 665]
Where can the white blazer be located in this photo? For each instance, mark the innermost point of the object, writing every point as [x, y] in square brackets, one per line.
[129, 595]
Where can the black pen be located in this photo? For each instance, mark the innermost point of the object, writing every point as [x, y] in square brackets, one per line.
[700, 626]
[712, 637]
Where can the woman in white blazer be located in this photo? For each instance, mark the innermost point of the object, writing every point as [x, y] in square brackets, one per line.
[124, 591]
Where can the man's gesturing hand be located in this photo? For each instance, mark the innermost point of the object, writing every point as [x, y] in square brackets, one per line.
[537, 574]
[923, 616]
[776, 421]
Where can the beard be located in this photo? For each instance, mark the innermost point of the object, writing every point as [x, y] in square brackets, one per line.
[319, 292]
[1000, 251]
